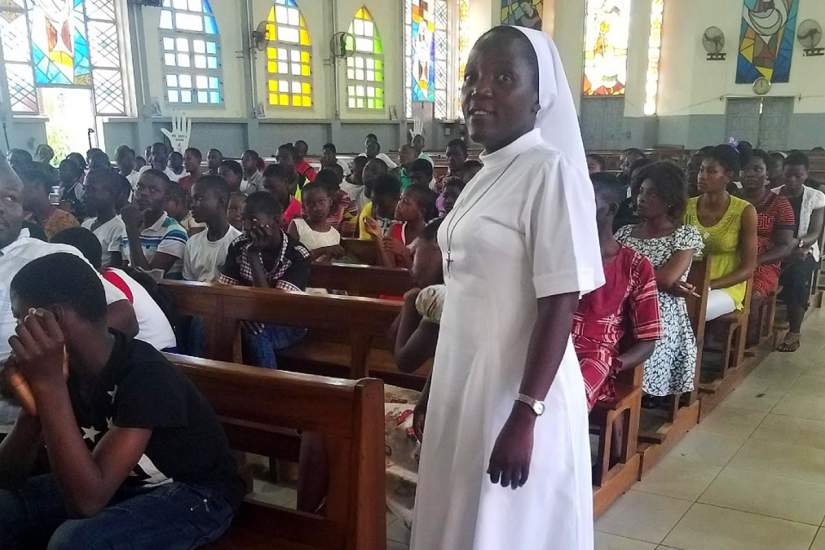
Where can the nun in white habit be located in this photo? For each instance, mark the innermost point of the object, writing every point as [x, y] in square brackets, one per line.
[505, 460]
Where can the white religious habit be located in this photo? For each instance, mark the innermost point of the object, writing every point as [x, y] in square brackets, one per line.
[523, 229]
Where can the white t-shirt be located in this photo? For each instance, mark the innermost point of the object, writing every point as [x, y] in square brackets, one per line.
[153, 326]
[203, 259]
[315, 239]
[110, 235]
[168, 171]
[356, 193]
[133, 179]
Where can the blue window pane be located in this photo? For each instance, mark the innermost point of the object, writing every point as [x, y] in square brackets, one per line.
[212, 62]
[213, 83]
[209, 25]
[211, 47]
[214, 97]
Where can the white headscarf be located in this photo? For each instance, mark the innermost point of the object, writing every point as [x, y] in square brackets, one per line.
[557, 118]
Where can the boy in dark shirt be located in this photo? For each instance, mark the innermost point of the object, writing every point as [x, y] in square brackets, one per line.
[266, 257]
[137, 455]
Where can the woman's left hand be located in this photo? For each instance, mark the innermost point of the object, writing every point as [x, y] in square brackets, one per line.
[510, 459]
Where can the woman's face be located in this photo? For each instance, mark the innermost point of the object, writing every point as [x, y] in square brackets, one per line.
[407, 208]
[649, 203]
[713, 178]
[755, 175]
[499, 97]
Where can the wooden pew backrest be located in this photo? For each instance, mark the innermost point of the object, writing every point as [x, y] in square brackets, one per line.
[363, 251]
[259, 408]
[361, 280]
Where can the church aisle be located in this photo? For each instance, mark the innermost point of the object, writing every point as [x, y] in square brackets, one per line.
[750, 476]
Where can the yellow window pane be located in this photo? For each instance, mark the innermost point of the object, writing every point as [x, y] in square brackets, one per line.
[273, 99]
[305, 70]
[305, 38]
[307, 101]
[296, 101]
[272, 67]
[284, 99]
[271, 32]
[361, 14]
[271, 53]
[304, 57]
[273, 85]
[306, 88]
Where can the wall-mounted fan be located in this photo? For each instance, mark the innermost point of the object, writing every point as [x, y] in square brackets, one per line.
[713, 40]
[809, 35]
[342, 45]
[258, 37]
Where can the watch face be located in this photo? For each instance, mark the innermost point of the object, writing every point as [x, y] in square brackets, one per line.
[539, 408]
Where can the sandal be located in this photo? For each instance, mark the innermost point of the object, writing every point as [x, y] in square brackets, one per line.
[790, 344]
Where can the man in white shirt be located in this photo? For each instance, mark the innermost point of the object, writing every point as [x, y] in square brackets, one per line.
[159, 160]
[253, 179]
[17, 249]
[205, 252]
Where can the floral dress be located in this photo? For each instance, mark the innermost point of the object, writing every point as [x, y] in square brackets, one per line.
[670, 369]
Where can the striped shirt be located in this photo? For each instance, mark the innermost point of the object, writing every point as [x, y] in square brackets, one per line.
[166, 236]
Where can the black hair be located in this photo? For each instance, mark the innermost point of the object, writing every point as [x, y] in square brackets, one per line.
[123, 150]
[214, 184]
[421, 165]
[287, 147]
[76, 168]
[797, 158]
[328, 177]
[706, 150]
[453, 181]
[297, 141]
[323, 187]
[175, 192]
[83, 240]
[671, 186]
[159, 175]
[195, 151]
[371, 136]
[758, 154]
[109, 177]
[265, 203]
[252, 153]
[473, 163]
[338, 170]
[78, 159]
[330, 146]
[93, 151]
[600, 160]
[277, 171]
[62, 279]
[98, 159]
[386, 186]
[636, 165]
[233, 166]
[528, 52]
[608, 186]
[727, 157]
[425, 197]
[430, 232]
[360, 160]
[35, 176]
[458, 143]
[634, 151]
[175, 154]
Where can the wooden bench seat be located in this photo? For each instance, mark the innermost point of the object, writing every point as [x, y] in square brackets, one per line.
[360, 279]
[262, 410]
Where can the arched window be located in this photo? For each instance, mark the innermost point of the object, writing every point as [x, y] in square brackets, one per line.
[191, 53]
[427, 63]
[365, 69]
[288, 57]
[77, 45]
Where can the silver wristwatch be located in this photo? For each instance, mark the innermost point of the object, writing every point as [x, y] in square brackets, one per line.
[535, 405]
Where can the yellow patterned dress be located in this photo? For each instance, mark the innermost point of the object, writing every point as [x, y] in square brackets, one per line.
[722, 243]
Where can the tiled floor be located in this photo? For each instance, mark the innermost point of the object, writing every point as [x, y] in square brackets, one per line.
[750, 476]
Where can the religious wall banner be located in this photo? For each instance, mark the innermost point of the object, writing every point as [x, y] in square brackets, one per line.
[766, 40]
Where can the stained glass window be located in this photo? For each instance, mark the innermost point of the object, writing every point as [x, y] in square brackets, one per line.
[288, 56]
[365, 68]
[607, 26]
[190, 46]
[463, 50]
[522, 13]
[427, 62]
[62, 43]
[17, 56]
[654, 52]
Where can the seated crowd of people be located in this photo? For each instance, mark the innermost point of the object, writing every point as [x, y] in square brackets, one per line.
[83, 246]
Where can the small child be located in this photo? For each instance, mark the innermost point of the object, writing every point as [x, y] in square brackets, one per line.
[453, 186]
[314, 230]
[343, 214]
[234, 210]
[414, 210]
[386, 192]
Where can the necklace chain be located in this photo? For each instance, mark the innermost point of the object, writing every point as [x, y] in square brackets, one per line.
[451, 227]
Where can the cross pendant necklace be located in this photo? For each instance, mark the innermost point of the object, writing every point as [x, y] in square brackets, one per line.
[453, 224]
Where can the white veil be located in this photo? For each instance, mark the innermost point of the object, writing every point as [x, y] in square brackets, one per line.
[557, 118]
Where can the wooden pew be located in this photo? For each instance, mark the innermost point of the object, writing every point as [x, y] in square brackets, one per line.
[683, 410]
[261, 410]
[360, 280]
[363, 251]
[347, 334]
